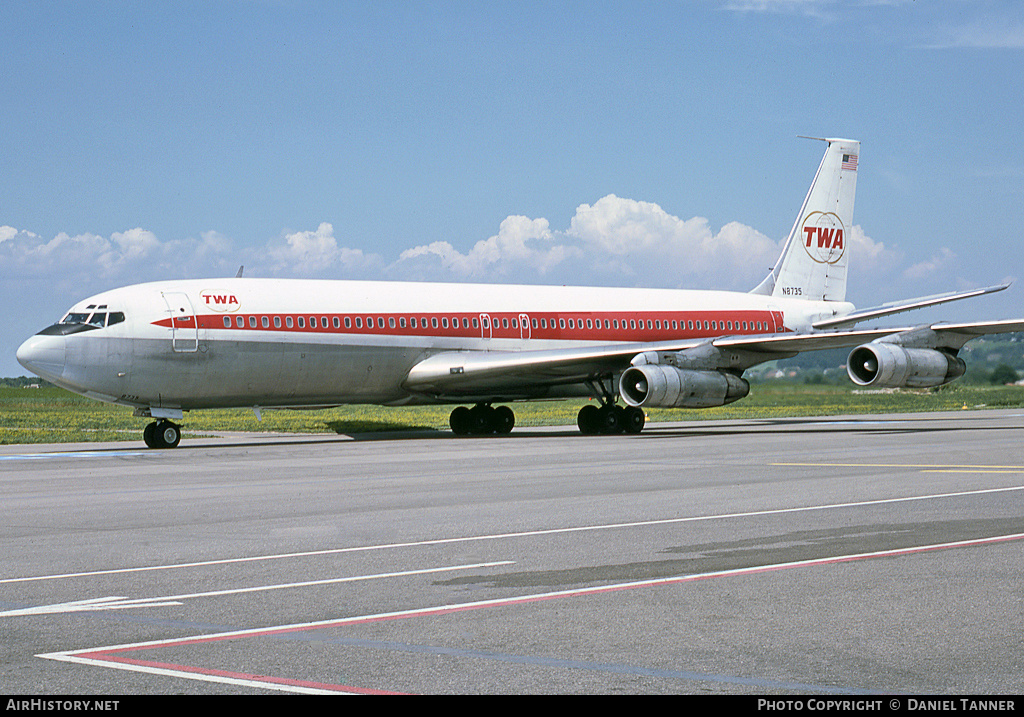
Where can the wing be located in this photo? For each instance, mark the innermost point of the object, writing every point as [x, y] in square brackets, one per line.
[525, 374]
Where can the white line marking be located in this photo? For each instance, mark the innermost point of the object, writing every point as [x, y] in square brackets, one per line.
[524, 534]
[120, 603]
[104, 657]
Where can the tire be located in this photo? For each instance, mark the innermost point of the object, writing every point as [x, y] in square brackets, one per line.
[589, 420]
[503, 419]
[461, 421]
[633, 419]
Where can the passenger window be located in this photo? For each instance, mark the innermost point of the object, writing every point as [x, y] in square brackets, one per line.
[561, 323]
[240, 322]
[359, 322]
[465, 322]
[227, 322]
[348, 322]
[277, 322]
[302, 322]
[401, 321]
[476, 323]
[444, 322]
[391, 322]
[266, 322]
[288, 321]
[252, 322]
[433, 322]
[412, 322]
[337, 322]
[380, 322]
[515, 324]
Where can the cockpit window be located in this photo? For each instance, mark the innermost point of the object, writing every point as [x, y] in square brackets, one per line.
[97, 319]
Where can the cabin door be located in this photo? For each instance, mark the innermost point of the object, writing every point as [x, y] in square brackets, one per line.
[184, 327]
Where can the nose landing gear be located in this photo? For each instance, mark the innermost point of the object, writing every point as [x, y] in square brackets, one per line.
[162, 434]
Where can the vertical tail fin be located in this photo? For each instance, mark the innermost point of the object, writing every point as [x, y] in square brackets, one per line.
[814, 259]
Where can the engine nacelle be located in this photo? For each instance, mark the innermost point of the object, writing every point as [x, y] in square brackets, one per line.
[664, 386]
[891, 366]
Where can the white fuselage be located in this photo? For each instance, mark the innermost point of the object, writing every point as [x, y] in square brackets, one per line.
[273, 342]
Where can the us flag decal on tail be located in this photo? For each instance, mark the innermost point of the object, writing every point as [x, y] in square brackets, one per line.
[850, 162]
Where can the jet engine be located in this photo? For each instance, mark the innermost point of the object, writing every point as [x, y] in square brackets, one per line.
[888, 365]
[664, 386]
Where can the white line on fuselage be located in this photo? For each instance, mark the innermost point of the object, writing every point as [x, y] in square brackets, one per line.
[523, 534]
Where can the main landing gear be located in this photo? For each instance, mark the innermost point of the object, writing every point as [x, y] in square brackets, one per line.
[610, 419]
[607, 419]
[481, 419]
[162, 434]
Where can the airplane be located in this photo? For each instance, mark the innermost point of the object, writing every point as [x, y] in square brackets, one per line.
[167, 348]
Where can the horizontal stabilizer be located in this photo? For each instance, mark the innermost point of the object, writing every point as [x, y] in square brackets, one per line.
[897, 307]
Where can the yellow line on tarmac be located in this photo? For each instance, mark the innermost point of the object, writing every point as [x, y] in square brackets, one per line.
[923, 466]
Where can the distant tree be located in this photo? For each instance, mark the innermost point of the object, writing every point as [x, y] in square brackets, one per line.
[1003, 374]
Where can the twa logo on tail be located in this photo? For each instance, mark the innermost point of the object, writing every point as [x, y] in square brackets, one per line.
[824, 237]
[220, 301]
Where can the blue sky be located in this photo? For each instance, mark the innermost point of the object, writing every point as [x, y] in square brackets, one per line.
[633, 144]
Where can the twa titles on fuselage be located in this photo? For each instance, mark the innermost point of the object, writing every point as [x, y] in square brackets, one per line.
[171, 347]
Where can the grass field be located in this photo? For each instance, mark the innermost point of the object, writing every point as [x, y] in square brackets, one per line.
[52, 415]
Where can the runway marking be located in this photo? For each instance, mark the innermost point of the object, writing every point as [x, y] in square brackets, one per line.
[121, 603]
[70, 454]
[972, 470]
[534, 533]
[923, 466]
[111, 657]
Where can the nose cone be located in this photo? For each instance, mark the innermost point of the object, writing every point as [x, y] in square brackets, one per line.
[44, 356]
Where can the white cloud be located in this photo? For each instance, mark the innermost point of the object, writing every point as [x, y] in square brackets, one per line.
[316, 253]
[521, 244]
[868, 255]
[940, 262]
[987, 33]
[665, 250]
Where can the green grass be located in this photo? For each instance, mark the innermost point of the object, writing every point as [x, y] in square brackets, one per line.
[52, 415]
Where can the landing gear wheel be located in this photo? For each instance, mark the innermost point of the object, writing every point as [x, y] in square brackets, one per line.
[162, 434]
[633, 419]
[503, 419]
[481, 419]
[461, 421]
[589, 419]
[610, 418]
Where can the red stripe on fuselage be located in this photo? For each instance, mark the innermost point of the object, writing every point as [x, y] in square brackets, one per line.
[579, 326]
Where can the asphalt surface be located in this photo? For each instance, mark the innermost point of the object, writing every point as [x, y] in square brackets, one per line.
[838, 556]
